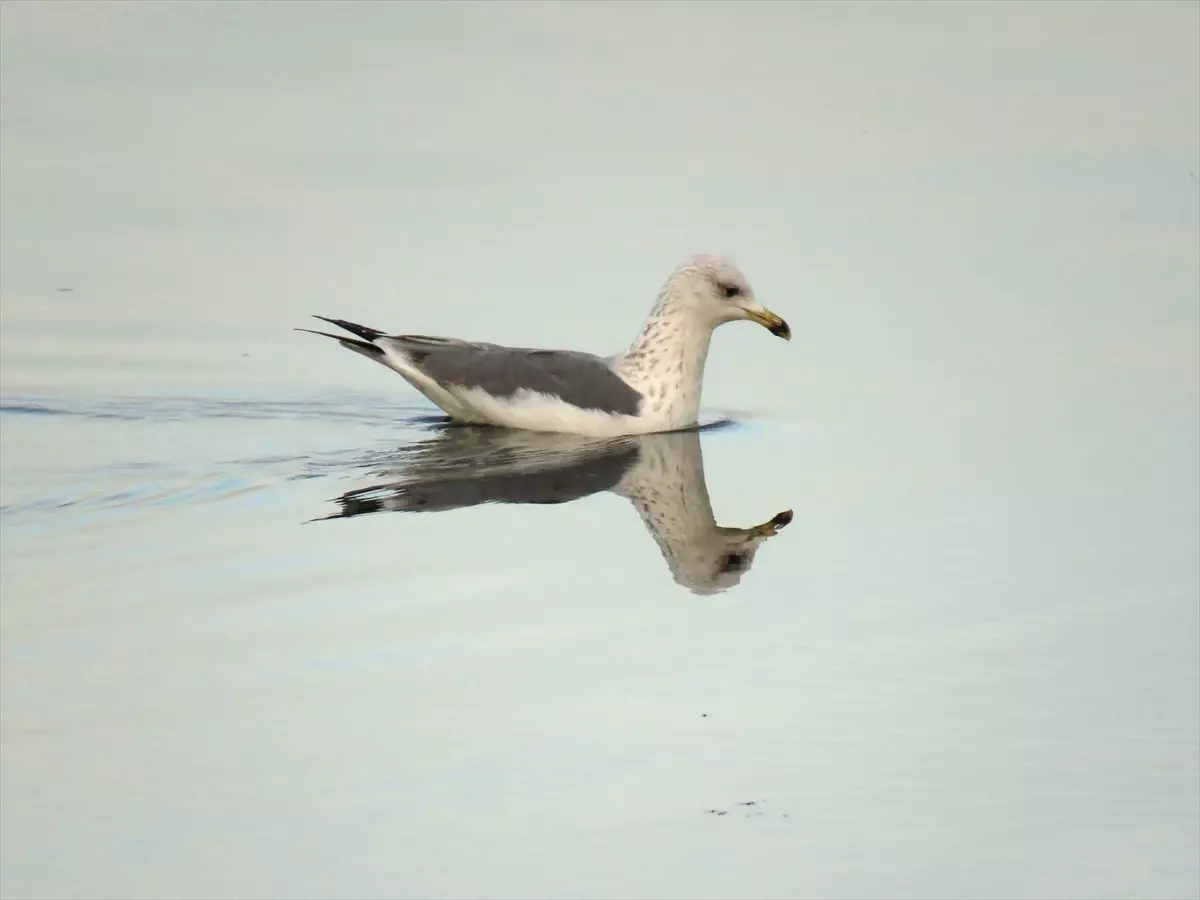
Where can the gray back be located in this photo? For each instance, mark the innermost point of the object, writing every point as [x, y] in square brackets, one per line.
[580, 379]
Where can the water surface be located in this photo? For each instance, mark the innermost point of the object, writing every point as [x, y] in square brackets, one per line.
[271, 628]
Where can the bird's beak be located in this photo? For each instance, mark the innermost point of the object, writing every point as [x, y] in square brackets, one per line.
[770, 321]
[771, 527]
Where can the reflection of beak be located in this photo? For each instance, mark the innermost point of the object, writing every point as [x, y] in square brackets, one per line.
[771, 322]
[771, 527]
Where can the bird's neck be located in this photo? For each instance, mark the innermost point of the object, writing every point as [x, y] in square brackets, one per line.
[667, 489]
[666, 362]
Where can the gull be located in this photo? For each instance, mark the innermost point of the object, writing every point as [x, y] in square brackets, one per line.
[652, 386]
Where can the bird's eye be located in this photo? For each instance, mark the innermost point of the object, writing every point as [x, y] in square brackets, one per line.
[732, 562]
[729, 291]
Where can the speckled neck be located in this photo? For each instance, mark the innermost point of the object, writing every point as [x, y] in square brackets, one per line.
[666, 362]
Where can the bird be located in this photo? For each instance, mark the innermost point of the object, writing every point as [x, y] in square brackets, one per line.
[652, 386]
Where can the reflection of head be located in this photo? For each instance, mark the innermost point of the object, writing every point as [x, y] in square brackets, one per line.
[668, 490]
[662, 475]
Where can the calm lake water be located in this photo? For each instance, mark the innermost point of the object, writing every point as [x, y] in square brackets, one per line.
[271, 629]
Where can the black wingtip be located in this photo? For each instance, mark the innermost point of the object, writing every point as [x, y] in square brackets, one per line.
[360, 331]
[336, 337]
[361, 346]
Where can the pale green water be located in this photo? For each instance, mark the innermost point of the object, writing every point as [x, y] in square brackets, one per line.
[968, 667]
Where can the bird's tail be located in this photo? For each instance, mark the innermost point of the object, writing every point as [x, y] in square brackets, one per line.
[366, 346]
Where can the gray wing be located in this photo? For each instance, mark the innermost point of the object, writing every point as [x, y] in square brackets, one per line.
[580, 379]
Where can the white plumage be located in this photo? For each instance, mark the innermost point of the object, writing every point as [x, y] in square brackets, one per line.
[654, 385]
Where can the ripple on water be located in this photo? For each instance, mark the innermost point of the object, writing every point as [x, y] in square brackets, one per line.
[364, 408]
[95, 462]
[72, 457]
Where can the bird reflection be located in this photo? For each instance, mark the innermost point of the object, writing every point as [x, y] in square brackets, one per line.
[662, 475]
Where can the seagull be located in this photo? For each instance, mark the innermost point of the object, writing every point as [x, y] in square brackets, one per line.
[653, 386]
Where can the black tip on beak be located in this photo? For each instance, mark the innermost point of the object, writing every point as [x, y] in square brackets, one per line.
[771, 527]
[781, 330]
